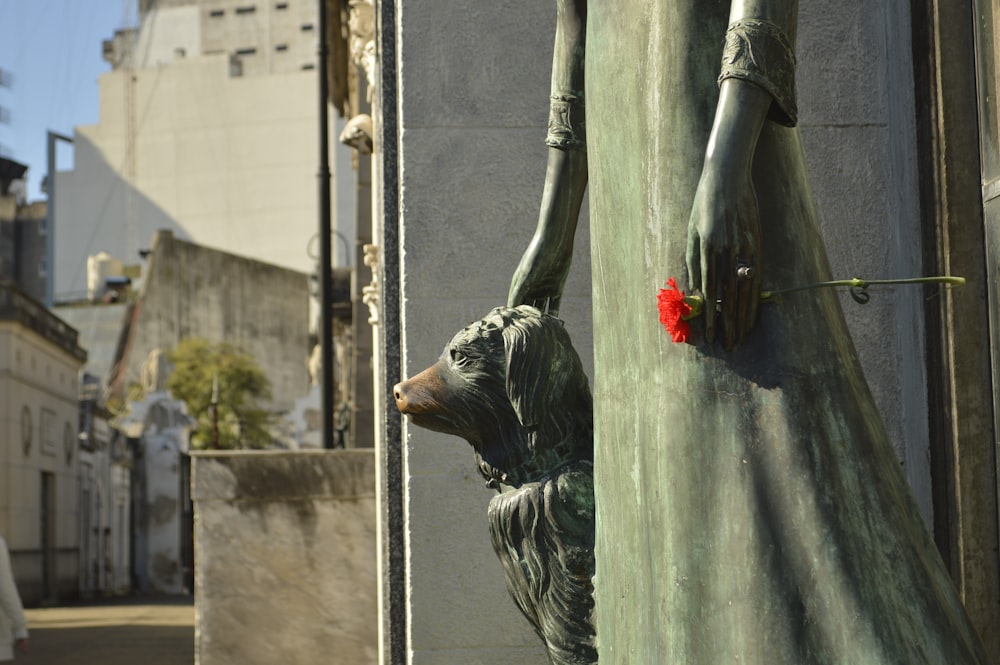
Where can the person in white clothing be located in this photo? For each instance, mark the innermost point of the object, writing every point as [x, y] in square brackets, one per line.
[13, 626]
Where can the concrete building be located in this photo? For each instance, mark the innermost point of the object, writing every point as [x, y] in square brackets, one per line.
[193, 291]
[208, 124]
[39, 457]
[105, 485]
[892, 127]
[158, 429]
[208, 128]
[106, 457]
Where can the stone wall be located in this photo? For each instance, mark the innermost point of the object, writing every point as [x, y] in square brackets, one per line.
[194, 291]
[285, 557]
[856, 111]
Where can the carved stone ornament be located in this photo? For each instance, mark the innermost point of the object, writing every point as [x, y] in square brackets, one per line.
[155, 371]
[357, 134]
[370, 293]
[759, 52]
[513, 386]
[361, 23]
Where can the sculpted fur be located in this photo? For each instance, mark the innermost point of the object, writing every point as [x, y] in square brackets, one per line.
[512, 385]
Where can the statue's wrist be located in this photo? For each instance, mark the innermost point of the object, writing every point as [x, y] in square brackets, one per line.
[727, 164]
[760, 53]
[567, 122]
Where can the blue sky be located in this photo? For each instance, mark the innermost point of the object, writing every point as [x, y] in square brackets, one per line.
[53, 50]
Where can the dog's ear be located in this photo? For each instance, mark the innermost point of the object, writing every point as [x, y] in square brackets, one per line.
[535, 372]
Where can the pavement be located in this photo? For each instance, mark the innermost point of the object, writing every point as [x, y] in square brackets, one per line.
[144, 631]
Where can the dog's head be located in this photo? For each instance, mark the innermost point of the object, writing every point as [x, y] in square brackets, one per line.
[512, 385]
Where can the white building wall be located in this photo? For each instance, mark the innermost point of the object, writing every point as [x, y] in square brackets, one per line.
[166, 35]
[38, 434]
[104, 486]
[227, 161]
[270, 36]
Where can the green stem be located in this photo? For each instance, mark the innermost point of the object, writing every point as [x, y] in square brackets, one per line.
[697, 302]
[863, 284]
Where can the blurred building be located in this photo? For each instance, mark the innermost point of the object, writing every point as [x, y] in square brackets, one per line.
[106, 502]
[22, 232]
[194, 291]
[208, 125]
[106, 457]
[40, 358]
[208, 129]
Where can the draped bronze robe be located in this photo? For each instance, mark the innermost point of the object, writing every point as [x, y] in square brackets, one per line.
[750, 508]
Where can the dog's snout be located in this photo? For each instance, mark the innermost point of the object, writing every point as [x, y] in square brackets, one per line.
[399, 394]
[419, 394]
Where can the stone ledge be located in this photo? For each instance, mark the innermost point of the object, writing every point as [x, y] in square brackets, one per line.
[246, 475]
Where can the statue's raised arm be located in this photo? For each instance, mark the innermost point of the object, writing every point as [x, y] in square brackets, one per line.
[757, 82]
[542, 271]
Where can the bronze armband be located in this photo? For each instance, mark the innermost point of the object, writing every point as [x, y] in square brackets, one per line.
[760, 52]
[567, 127]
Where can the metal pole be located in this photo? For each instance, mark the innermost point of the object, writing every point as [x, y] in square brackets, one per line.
[50, 215]
[325, 273]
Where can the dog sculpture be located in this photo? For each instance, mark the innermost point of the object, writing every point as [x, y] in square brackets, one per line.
[512, 385]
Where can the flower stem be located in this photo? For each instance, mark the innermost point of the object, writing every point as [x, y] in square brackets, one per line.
[857, 285]
[863, 284]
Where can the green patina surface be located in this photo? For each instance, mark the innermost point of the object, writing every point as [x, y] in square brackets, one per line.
[749, 506]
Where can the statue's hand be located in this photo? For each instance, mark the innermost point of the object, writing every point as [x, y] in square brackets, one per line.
[723, 252]
[539, 278]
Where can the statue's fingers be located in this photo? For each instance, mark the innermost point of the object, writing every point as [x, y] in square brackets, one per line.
[747, 303]
[709, 290]
[692, 257]
[756, 281]
[730, 302]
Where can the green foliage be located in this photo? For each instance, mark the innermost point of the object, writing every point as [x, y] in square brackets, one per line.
[242, 386]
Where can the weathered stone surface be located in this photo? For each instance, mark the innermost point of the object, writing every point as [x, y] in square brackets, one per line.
[285, 557]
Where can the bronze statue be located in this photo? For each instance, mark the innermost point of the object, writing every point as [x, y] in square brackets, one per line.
[512, 386]
[750, 506]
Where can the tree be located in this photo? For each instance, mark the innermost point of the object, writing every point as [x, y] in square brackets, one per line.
[242, 387]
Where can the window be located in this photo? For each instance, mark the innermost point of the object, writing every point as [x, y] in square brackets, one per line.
[306, 27]
[308, 66]
[281, 5]
[216, 13]
[246, 10]
[250, 50]
[281, 47]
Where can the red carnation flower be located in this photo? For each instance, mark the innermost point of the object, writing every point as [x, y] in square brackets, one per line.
[674, 311]
[676, 308]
